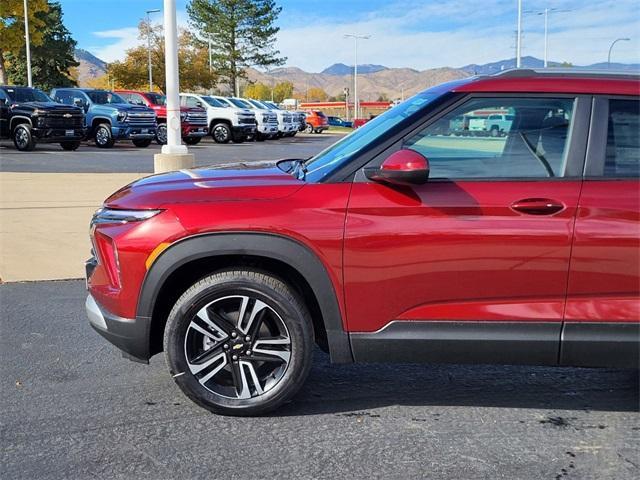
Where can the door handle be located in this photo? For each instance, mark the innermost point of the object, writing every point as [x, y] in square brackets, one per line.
[537, 206]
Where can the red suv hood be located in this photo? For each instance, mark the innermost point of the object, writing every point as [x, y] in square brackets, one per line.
[161, 110]
[230, 182]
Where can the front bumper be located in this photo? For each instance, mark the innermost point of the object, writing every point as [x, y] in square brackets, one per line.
[134, 133]
[193, 132]
[244, 129]
[268, 128]
[131, 336]
[55, 135]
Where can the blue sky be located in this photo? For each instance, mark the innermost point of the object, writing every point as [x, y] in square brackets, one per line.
[404, 33]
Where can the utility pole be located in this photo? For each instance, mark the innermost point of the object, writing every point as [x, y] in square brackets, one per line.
[356, 106]
[519, 36]
[611, 48]
[26, 36]
[546, 13]
[174, 156]
[210, 58]
[149, 12]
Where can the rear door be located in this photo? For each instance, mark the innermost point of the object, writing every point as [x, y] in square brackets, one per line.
[472, 265]
[4, 114]
[603, 302]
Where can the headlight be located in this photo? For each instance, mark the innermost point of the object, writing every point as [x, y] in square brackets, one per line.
[109, 215]
[183, 115]
[39, 111]
[121, 116]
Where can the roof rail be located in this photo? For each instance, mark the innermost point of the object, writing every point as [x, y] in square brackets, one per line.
[566, 72]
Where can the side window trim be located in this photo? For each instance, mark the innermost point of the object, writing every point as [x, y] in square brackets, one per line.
[577, 140]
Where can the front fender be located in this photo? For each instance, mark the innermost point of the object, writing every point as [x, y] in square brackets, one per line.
[270, 246]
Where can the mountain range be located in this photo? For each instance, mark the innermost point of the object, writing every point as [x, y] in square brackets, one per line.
[373, 80]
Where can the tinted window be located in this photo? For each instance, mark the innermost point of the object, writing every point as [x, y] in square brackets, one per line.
[3, 96]
[157, 99]
[467, 143]
[27, 95]
[623, 139]
[103, 98]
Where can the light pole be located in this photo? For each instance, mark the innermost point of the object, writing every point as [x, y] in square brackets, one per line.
[210, 58]
[174, 156]
[149, 12]
[356, 107]
[611, 48]
[26, 36]
[546, 12]
[519, 35]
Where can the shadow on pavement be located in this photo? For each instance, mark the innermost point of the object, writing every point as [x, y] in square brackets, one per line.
[349, 388]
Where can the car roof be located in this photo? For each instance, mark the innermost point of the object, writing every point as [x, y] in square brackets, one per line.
[553, 80]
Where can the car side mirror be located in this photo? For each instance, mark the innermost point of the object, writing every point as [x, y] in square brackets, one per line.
[199, 104]
[404, 167]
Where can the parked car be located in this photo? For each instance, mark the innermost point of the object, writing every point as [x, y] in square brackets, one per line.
[225, 123]
[267, 121]
[300, 118]
[358, 122]
[317, 122]
[339, 122]
[109, 117]
[287, 126]
[28, 116]
[498, 124]
[394, 244]
[193, 121]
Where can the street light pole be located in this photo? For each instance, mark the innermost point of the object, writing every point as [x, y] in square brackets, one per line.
[356, 107]
[611, 48]
[149, 12]
[546, 13]
[519, 36]
[26, 36]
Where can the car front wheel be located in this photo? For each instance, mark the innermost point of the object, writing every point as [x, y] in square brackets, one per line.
[309, 128]
[103, 136]
[161, 134]
[239, 342]
[23, 139]
[221, 133]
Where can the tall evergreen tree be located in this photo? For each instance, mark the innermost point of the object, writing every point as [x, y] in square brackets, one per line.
[242, 34]
[52, 60]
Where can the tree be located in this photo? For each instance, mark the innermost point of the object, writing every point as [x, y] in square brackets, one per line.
[52, 61]
[242, 34]
[282, 90]
[257, 91]
[12, 28]
[383, 97]
[316, 94]
[133, 71]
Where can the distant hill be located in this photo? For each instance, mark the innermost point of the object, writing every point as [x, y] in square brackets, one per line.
[342, 69]
[533, 62]
[90, 66]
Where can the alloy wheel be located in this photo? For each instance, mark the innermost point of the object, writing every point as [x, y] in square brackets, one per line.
[22, 138]
[221, 133]
[102, 136]
[161, 133]
[237, 347]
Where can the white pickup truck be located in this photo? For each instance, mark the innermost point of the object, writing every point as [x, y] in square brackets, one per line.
[225, 123]
[267, 121]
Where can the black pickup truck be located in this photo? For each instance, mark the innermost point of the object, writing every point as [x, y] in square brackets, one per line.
[28, 116]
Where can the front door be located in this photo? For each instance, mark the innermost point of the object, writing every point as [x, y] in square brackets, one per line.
[473, 264]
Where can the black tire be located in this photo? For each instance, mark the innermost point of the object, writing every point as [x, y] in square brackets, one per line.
[221, 133]
[495, 131]
[319, 130]
[70, 146]
[161, 134]
[279, 304]
[309, 128]
[260, 137]
[142, 142]
[103, 137]
[23, 139]
[192, 140]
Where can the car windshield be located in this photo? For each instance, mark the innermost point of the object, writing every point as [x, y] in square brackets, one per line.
[157, 99]
[239, 103]
[258, 104]
[100, 97]
[214, 102]
[343, 151]
[27, 95]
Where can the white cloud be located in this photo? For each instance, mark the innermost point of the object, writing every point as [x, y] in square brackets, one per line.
[459, 32]
[125, 38]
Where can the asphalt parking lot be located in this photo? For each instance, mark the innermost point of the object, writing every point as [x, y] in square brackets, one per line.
[73, 408]
[124, 157]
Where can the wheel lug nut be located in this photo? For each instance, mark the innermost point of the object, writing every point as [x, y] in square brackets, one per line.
[234, 334]
[235, 357]
[248, 352]
[225, 346]
[247, 338]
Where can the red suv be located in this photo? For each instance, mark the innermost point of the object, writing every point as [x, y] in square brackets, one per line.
[317, 122]
[192, 120]
[401, 242]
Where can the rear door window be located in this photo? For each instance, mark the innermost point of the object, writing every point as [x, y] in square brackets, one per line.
[622, 157]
